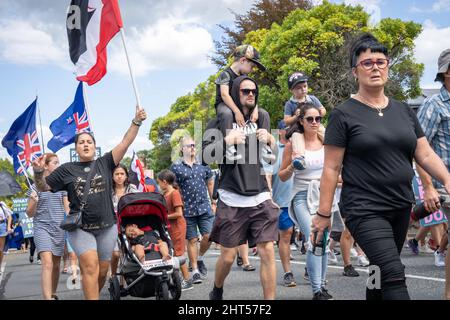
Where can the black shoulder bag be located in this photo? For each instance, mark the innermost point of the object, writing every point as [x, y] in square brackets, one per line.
[74, 221]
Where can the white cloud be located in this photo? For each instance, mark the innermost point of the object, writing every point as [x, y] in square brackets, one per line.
[441, 5]
[168, 44]
[372, 7]
[161, 34]
[22, 42]
[430, 44]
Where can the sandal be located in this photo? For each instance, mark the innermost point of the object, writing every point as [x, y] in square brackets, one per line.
[248, 267]
[239, 260]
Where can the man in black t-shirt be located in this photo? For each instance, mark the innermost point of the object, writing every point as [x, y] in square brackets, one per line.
[245, 210]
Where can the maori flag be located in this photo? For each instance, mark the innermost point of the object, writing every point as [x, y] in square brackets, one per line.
[91, 24]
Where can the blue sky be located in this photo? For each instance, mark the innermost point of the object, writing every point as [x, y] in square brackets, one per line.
[169, 43]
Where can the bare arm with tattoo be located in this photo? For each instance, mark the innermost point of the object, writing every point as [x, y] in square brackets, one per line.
[38, 168]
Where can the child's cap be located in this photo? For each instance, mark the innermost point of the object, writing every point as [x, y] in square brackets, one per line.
[248, 52]
[282, 125]
[296, 78]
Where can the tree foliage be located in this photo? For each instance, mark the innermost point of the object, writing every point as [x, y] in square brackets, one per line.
[261, 16]
[318, 41]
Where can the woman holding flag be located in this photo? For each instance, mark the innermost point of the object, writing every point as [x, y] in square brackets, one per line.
[94, 241]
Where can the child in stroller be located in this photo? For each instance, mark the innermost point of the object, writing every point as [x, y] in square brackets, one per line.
[142, 241]
[147, 264]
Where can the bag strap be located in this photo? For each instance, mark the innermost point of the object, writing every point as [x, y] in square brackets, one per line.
[88, 182]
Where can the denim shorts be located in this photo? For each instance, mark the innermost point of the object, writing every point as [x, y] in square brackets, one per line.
[284, 221]
[3, 229]
[203, 222]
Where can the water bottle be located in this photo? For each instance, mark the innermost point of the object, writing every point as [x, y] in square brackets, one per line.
[419, 212]
[319, 248]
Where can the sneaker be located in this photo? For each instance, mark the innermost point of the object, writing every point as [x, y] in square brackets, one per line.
[413, 245]
[332, 259]
[303, 249]
[293, 247]
[202, 269]
[349, 271]
[288, 280]
[439, 259]
[425, 249]
[31, 259]
[326, 294]
[216, 294]
[196, 278]
[299, 163]
[39, 261]
[268, 155]
[306, 275]
[336, 252]
[232, 154]
[363, 262]
[353, 253]
[186, 285]
[321, 296]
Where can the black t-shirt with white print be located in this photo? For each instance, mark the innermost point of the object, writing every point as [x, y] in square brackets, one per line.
[99, 209]
[377, 166]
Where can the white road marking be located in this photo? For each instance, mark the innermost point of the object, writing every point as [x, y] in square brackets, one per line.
[365, 270]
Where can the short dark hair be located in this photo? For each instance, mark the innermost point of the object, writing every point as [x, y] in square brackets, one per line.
[169, 177]
[363, 43]
[77, 136]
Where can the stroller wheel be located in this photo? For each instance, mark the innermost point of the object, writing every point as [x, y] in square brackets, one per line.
[175, 285]
[114, 288]
[163, 291]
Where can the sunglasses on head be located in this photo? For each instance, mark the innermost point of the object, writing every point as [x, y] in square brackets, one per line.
[317, 119]
[246, 92]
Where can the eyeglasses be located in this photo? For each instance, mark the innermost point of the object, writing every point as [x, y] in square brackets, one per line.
[317, 119]
[368, 64]
[192, 145]
[247, 92]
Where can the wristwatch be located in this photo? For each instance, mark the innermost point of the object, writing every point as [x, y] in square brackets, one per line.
[136, 122]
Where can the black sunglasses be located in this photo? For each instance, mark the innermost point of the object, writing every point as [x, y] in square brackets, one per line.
[246, 92]
[317, 119]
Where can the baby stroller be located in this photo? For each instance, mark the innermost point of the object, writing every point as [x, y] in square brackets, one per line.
[154, 277]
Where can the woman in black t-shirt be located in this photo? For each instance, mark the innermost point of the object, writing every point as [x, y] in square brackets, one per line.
[94, 241]
[374, 140]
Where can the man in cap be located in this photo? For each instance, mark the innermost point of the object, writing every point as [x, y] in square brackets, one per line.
[434, 117]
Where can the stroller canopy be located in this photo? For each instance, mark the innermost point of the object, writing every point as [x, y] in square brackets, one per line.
[141, 204]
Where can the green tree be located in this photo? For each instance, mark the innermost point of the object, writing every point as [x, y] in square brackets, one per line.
[262, 15]
[317, 41]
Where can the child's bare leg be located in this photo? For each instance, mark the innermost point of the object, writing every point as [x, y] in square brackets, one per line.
[298, 151]
[139, 251]
[164, 249]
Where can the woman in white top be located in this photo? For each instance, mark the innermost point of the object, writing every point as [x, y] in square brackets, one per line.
[308, 124]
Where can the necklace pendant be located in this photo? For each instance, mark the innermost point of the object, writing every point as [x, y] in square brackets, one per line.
[381, 114]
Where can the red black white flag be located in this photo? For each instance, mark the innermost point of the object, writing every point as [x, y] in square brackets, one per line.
[91, 24]
[137, 176]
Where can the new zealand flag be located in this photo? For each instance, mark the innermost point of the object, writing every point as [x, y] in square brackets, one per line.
[22, 140]
[74, 120]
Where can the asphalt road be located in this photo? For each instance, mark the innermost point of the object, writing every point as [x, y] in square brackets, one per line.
[20, 280]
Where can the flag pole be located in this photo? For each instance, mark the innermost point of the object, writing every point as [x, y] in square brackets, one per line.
[136, 93]
[24, 172]
[40, 123]
[86, 105]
